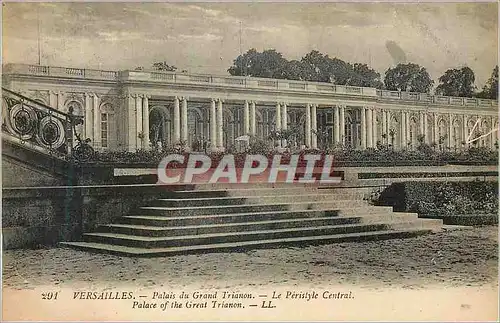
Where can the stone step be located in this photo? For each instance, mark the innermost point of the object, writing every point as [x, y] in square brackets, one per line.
[428, 224]
[245, 245]
[225, 237]
[247, 208]
[183, 220]
[273, 199]
[353, 192]
[202, 228]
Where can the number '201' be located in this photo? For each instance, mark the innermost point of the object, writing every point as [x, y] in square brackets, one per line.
[49, 296]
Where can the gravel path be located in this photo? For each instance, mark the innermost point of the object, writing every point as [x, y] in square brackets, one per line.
[454, 257]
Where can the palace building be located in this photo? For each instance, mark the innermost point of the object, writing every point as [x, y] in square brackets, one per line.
[132, 110]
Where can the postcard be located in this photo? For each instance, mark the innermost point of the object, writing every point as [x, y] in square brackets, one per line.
[250, 161]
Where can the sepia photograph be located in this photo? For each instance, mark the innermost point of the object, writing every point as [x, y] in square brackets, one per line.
[250, 161]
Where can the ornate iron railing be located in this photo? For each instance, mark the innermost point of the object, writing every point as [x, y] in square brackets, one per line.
[36, 125]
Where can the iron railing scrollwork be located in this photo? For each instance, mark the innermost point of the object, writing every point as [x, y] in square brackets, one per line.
[41, 127]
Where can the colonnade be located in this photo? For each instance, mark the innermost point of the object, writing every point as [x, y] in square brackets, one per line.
[376, 125]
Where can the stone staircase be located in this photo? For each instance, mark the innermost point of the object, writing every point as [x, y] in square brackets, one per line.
[210, 220]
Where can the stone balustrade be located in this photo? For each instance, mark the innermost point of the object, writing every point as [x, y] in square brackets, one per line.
[244, 82]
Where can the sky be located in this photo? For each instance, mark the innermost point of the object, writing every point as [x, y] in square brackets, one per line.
[207, 37]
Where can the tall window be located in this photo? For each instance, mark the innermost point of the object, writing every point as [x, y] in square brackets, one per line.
[442, 134]
[413, 132]
[104, 130]
[348, 129]
[108, 126]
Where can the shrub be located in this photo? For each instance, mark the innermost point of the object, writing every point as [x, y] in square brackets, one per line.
[443, 198]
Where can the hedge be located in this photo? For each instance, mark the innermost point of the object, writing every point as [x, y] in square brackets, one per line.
[442, 198]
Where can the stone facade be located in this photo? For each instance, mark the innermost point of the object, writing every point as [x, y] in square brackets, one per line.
[132, 110]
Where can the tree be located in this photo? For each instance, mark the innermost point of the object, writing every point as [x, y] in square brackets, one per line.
[321, 68]
[457, 82]
[408, 77]
[269, 63]
[490, 90]
[363, 75]
[295, 70]
[163, 66]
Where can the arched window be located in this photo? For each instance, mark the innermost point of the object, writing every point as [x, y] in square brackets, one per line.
[442, 136]
[349, 130]
[394, 135]
[160, 125]
[413, 133]
[485, 129]
[456, 138]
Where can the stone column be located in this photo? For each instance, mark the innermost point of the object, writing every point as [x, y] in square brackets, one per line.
[388, 125]
[374, 128]
[246, 120]
[145, 121]
[253, 129]
[278, 121]
[450, 131]
[177, 121]
[436, 129]
[421, 122]
[97, 117]
[384, 127]
[407, 126]
[60, 101]
[88, 118]
[220, 125]
[184, 118]
[284, 116]
[464, 131]
[492, 135]
[52, 99]
[403, 129]
[314, 125]
[284, 120]
[363, 128]
[426, 127]
[336, 125]
[342, 124]
[369, 127]
[308, 126]
[213, 125]
[138, 120]
[278, 117]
